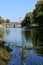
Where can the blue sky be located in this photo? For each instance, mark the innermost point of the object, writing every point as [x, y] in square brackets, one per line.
[13, 9]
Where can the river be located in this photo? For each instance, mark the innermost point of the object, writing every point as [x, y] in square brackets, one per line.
[20, 38]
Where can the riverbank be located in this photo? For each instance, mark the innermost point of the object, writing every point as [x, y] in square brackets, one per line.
[4, 53]
[2, 31]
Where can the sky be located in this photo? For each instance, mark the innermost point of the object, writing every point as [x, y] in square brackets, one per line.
[14, 9]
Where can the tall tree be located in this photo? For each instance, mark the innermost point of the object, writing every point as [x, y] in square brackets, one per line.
[38, 13]
[1, 20]
[27, 20]
[7, 21]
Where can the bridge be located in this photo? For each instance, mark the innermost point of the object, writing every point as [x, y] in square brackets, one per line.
[11, 25]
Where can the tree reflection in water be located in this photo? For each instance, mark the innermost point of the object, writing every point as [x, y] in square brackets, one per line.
[21, 55]
[37, 40]
[34, 35]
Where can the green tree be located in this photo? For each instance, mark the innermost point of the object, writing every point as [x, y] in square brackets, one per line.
[1, 20]
[7, 21]
[38, 13]
[27, 20]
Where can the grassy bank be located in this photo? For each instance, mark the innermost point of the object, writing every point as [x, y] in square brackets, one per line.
[1, 31]
[4, 53]
[4, 56]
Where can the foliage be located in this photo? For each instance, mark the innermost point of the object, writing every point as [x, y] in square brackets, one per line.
[7, 21]
[4, 53]
[26, 21]
[4, 56]
[35, 17]
[38, 13]
[2, 20]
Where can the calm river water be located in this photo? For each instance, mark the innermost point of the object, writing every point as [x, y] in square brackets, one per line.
[18, 39]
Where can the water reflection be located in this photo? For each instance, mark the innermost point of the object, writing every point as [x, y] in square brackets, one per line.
[23, 38]
[7, 31]
[26, 37]
[37, 39]
[35, 36]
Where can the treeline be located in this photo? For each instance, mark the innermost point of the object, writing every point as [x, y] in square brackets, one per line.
[34, 18]
[2, 20]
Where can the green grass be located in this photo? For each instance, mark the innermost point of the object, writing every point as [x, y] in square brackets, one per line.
[1, 31]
